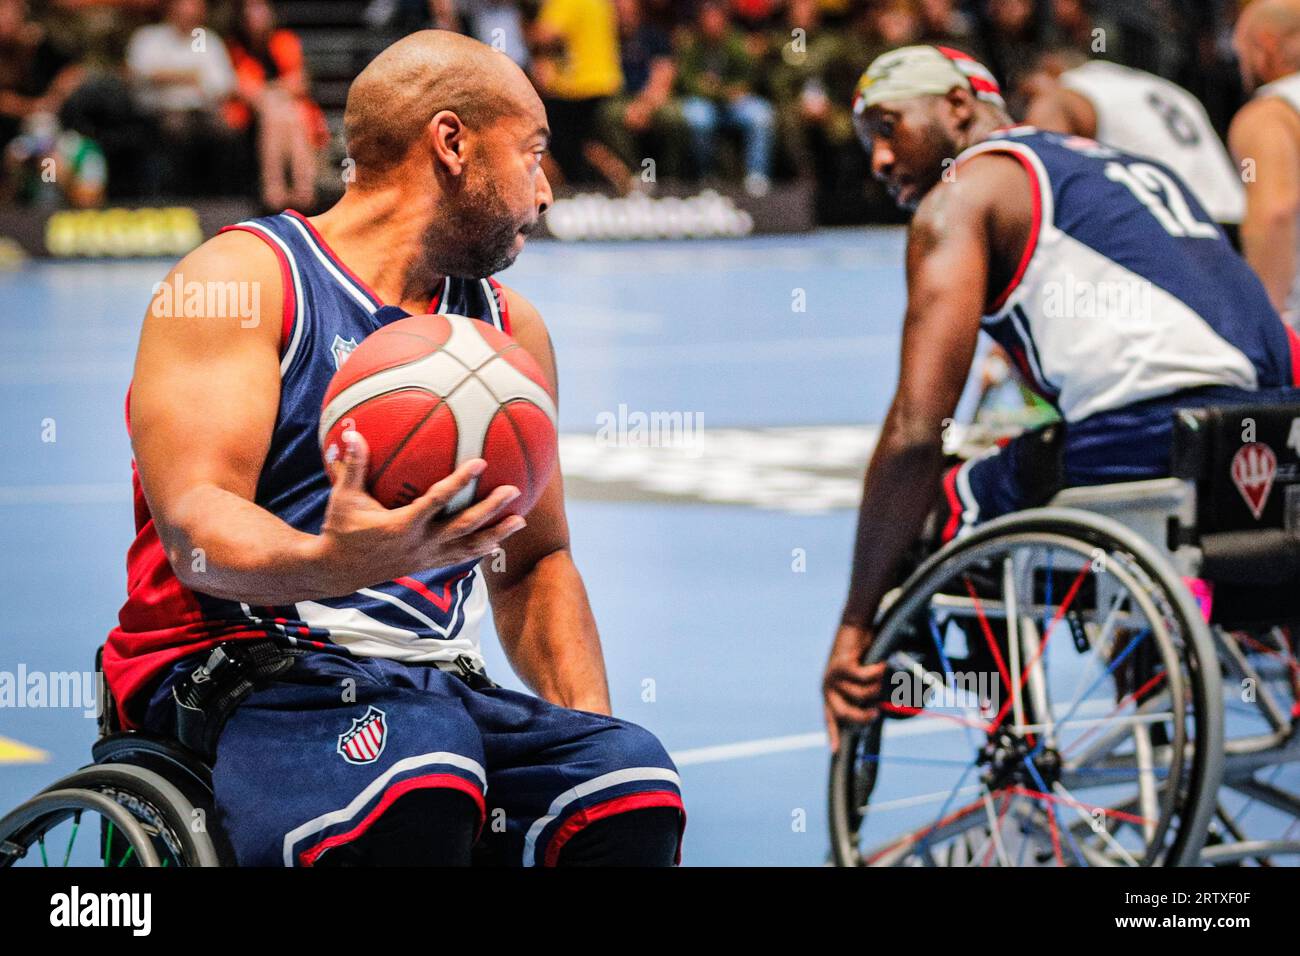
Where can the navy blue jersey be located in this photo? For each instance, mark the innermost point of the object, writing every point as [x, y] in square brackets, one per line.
[430, 616]
[1127, 290]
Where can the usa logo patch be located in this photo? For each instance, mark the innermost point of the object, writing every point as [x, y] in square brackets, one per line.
[341, 349]
[364, 741]
[1254, 467]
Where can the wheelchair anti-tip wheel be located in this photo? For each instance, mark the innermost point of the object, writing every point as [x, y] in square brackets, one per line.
[109, 815]
[1047, 703]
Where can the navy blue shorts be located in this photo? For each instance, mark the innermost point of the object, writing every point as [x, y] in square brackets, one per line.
[1133, 443]
[311, 761]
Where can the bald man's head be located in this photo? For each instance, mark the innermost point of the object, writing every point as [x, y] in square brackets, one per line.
[393, 99]
[1267, 39]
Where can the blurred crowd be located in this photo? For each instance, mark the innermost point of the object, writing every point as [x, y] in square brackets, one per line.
[129, 99]
[140, 99]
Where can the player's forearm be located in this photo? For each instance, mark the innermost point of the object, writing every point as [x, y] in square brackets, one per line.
[1268, 240]
[897, 494]
[549, 634]
[227, 546]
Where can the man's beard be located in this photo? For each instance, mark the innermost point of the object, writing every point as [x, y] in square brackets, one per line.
[475, 238]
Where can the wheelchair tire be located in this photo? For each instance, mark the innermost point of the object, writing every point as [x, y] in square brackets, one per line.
[27, 825]
[178, 831]
[1187, 799]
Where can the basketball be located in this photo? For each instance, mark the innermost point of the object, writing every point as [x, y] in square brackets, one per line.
[433, 391]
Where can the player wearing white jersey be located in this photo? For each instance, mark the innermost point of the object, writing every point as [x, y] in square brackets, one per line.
[1140, 113]
[1265, 136]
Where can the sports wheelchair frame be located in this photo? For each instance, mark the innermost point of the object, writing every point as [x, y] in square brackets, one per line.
[1139, 700]
[152, 797]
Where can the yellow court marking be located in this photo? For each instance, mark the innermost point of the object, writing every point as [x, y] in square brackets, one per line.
[11, 751]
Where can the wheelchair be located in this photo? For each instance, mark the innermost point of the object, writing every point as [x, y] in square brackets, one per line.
[1108, 680]
[151, 796]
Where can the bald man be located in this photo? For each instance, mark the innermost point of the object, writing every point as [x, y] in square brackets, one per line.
[321, 649]
[1265, 135]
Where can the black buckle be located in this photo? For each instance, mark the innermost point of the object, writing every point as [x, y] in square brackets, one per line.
[475, 677]
[207, 695]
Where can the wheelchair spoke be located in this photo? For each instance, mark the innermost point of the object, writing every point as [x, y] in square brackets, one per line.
[1013, 641]
[988, 636]
[1051, 812]
[76, 825]
[1047, 636]
[1087, 760]
[1110, 670]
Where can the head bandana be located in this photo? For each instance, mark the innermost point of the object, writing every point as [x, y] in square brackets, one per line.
[913, 71]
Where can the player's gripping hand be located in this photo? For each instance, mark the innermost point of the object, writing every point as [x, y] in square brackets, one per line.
[851, 689]
[366, 543]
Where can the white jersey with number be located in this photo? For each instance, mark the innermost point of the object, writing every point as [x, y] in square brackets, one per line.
[1144, 114]
[1287, 90]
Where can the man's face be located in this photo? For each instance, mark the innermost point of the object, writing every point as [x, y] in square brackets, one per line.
[504, 194]
[908, 142]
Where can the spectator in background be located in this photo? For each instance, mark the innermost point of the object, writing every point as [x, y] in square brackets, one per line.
[272, 95]
[1074, 25]
[576, 68]
[49, 166]
[813, 126]
[942, 24]
[718, 75]
[896, 23]
[645, 121]
[183, 77]
[499, 24]
[1013, 39]
[35, 76]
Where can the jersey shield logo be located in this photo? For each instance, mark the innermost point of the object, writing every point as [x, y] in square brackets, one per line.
[1254, 467]
[341, 349]
[364, 741]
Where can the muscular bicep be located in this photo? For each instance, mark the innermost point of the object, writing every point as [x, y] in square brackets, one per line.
[548, 527]
[206, 385]
[947, 280]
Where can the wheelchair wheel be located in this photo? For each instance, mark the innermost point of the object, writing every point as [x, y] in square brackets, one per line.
[151, 822]
[1048, 703]
[1257, 817]
[44, 831]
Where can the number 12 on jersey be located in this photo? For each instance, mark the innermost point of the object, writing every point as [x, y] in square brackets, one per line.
[1156, 190]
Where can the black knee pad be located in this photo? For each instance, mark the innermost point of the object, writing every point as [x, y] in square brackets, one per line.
[429, 827]
[646, 837]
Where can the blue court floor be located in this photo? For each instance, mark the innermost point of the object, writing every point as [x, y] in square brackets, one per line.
[716, 578]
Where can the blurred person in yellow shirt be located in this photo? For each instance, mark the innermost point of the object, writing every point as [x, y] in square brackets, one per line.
[576, 67]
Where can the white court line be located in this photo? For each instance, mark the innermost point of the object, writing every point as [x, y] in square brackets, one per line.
[776, 745]
[789, 742]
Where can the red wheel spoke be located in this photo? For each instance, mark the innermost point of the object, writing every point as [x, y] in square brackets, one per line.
[988, 634]
[1047, 636]
[1123, 702]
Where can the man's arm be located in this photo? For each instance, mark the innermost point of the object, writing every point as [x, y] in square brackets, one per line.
[1062, 110]
[1266, 134]
[539, 602]
[204, 400]
[947, 276]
